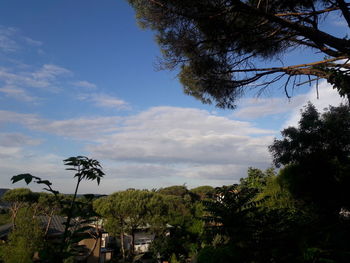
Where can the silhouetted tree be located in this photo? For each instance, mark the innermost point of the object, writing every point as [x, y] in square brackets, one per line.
[84, 169]
[316, 158]
[220, 46]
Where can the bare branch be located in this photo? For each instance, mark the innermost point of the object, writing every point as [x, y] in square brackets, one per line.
[308, 13]
[277, 69]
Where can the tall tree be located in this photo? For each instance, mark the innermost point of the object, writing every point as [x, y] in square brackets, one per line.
[220, 45]
[126, 211]
[316, 158]
[316, 165]
[19, 198]
[257, 178]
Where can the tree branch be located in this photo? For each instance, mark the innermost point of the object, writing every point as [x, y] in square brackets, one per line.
[345, 10]
[309, 13]
[277, 69]
[313, 34]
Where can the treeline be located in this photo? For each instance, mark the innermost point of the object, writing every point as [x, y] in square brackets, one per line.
[299, 213]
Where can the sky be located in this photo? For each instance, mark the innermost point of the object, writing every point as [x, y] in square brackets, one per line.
[80, 78]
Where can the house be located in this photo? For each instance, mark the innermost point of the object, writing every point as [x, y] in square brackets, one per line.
[92, 248]
[143, 239]
[4, 231]
[142, 242]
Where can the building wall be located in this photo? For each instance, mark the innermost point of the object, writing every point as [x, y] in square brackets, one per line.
[94, 246]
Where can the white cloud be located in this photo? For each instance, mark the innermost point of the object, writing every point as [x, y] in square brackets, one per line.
[253, 108]
[172, 136]
[50, 72]
[17, 140]
[7, 43]
[12, 40]
[261, 107]
[46, 166]
[105, 101]
[32, 42]
[327, 96]
[21, 118]
[17, 93]
[79, 128]
[169, 144]
[45, 77]
[84, 84]
[9, 152]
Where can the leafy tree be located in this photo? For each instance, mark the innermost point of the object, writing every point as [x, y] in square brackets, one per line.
[177, 190]
[203, 192]
[316, 158]
[49, 205]
[25, 240]
[316, 165]
[257, 178]
[85, 169]
[126, 211]
[187, 227]
[230, 225]
[219, 46]
[19, 198]
[229, 211]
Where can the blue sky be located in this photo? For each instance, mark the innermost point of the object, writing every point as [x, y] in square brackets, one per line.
[79, 78]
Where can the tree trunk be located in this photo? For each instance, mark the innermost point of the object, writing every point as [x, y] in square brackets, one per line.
[132, 241]
[122, 244]
[48, 223]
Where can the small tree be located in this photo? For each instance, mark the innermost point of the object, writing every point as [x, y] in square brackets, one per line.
[85, 169]
[25, 240]
[19, 198]
[128, 210]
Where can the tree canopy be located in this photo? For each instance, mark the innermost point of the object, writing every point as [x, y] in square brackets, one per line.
[219, 46]
[316, 159]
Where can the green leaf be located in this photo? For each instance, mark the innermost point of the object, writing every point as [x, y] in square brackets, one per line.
[26, 177]
[46, 182]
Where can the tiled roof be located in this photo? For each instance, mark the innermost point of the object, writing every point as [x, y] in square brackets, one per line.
[56, 225]
[5, 229]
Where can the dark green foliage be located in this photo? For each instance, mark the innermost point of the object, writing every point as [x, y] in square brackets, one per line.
[177, 190]
[231, 208]
[85, 168]
[316, 167]
[316, 158]
[25, 240]
[203, 192]
[5, 217]
[69, 206]
[21, 195]
[220, 46]
[19, 198]
[130, 210]
[257, 178]
[220, 254]
[187, 227]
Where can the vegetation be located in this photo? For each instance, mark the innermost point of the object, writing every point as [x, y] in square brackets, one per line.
[25, 240]
[36, 204]
[5, 217]
[129, 210]
[219, 46]
[298, 214]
